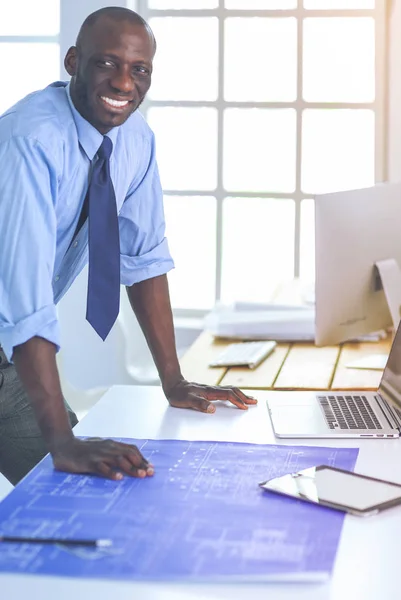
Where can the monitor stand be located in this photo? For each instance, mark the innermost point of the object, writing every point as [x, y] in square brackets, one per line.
[388, 278]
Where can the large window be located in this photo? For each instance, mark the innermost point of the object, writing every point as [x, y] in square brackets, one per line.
[257, 105]
[29, 47]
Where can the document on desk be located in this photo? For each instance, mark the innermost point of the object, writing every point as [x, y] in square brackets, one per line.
[202, 517]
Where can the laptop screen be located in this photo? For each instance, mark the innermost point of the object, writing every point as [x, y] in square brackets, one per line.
[391, 380]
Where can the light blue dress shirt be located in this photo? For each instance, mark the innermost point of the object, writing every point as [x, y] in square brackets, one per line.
[46, 153]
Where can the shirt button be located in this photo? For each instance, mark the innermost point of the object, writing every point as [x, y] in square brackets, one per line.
[75, 244]
[56, 278]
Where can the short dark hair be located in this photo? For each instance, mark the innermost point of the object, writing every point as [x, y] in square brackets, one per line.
[117, 13]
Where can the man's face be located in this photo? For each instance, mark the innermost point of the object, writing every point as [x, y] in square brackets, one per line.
[111, 72]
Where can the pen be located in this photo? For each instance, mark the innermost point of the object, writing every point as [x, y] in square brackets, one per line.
[65, 542]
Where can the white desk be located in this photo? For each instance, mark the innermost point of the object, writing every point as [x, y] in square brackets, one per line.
[368, 560]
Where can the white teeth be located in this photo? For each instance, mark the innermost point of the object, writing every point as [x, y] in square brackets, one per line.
[116, 103]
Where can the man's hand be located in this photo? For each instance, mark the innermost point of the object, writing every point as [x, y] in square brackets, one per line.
[199, 397]
[150, 301]
[97, 456]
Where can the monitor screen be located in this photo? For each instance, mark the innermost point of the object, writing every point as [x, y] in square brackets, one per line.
[354, 230]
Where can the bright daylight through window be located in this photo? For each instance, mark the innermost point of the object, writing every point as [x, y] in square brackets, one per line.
[257, 105]
[29, 44]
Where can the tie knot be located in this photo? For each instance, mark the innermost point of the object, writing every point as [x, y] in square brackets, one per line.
[106, 148]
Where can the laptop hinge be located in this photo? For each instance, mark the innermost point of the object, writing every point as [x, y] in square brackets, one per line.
[394, 416]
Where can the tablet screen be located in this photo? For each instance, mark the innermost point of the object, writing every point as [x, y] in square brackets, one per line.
[346, 489]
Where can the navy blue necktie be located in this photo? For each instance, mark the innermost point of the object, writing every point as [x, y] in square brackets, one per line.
[104, 246]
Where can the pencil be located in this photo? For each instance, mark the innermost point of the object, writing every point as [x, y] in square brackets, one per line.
[65, 542]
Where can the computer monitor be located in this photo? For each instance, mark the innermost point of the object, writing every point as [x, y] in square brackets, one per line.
[354, 230]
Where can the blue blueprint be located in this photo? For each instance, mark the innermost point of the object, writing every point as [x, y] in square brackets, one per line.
[201, 517]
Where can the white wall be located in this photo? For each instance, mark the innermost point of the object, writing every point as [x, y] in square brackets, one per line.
[394, 99]
[87, 360]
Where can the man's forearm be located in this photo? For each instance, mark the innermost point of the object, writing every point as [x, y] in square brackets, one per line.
[35, 361]
[150, 301]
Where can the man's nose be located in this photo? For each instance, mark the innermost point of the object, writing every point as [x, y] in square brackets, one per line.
[123, 81]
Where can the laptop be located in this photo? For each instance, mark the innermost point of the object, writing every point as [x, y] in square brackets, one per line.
[329, 414]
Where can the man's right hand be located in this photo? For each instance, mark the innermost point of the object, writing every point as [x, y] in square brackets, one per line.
[102, 457]
[36, 365]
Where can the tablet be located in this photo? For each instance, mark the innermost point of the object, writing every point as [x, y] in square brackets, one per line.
[342, 490]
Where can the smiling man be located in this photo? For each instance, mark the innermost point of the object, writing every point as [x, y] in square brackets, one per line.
[79, 182]
[110, 66]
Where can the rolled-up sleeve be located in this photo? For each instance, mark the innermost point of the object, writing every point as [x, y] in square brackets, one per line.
[28, 191]
[144, 248]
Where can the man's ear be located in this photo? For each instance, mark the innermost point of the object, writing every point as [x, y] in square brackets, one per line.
[70, 61]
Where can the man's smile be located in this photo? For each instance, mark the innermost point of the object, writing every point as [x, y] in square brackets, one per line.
[113, 103]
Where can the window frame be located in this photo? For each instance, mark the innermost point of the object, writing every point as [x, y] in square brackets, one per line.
[381, 15]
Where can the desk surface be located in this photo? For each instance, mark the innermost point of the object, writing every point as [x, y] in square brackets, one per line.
[299, 365]
[368, 558]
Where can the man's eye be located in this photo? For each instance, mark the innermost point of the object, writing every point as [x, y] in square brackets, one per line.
[142, 70]
[105, 63]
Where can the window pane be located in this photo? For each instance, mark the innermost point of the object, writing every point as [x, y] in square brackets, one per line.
[258, 247]
[177, 4]
[259, 149]
[271, 74]
[181, 71]
[307, 266]
[29, 17]
[186, 142]
[339, 72]
[260, 4]
[191, 233]
[338, 149]
[330, 4]
[45, 55]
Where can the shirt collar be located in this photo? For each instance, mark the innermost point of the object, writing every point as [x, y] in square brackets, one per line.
[89, 137]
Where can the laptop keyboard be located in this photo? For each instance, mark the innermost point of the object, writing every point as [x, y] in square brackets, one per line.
[348, 412]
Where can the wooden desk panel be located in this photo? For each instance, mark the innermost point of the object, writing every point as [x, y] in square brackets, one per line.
[308, 367]
[263, 376]
[346, 378]
[291, 366]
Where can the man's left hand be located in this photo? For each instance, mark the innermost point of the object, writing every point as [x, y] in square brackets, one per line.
[200, 397]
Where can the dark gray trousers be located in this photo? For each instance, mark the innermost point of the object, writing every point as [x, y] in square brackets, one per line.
[21, 442]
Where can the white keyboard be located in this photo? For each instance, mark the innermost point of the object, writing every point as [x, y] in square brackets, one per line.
[248, 354]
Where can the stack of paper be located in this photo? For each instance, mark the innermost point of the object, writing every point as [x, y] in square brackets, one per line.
[258, 321]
